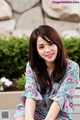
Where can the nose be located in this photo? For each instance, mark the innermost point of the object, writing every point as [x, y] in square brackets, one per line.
[47, 49]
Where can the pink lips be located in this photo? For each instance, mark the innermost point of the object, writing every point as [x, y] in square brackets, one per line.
[49, 55]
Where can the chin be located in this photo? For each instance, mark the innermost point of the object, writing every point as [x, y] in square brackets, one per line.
[50, 60]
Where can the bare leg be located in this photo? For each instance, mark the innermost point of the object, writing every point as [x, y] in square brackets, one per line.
[20, 118]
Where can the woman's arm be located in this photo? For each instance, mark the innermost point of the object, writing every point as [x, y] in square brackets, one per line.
[30, 105]
[64, 95]
[53, 111]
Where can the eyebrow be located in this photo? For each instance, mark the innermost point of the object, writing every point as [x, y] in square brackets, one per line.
[40, 44]
[43, 44]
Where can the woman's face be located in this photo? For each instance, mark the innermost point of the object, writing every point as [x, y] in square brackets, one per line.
[47, 50]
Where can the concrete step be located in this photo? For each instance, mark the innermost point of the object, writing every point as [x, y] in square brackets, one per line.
[9, 100]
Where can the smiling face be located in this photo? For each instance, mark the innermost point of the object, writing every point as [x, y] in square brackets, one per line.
[47, 50]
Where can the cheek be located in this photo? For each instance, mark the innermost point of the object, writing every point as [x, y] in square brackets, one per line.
[39, 51]
[55, 48]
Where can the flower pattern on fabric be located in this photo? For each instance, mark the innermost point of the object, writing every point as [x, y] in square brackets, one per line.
[61, 92]
[67, 88]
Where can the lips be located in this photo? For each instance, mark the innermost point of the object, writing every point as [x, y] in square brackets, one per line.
[49, 55]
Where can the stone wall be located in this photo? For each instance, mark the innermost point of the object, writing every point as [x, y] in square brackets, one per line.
[20, 17]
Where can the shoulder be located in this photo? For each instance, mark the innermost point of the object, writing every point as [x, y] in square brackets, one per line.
[29, 69]
[71, 65]
[28, 65]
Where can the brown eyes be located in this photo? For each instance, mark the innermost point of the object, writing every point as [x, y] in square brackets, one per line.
[51, 43]
[41, 47]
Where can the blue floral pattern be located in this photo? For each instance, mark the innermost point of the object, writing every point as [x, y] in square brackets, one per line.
[61, 92]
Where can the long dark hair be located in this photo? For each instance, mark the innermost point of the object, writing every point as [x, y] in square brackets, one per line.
[38, 64]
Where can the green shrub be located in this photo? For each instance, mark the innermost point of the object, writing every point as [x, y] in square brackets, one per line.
[20, 83]
[13, 57]
[72, 47]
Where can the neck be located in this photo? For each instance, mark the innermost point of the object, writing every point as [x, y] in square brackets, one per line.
[50, 67]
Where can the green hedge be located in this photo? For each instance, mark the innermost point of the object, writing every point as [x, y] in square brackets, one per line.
[20, 82]
[72, 46]
[14, 55]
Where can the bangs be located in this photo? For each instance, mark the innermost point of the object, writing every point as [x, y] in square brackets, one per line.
[47, 39]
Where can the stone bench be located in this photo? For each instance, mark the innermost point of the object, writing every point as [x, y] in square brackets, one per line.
[9, 100]
[76, 101]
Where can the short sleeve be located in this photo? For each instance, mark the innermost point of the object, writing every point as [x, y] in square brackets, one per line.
[31, 87]
[66, 90]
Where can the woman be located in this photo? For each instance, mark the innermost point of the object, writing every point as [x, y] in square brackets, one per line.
[51, 79]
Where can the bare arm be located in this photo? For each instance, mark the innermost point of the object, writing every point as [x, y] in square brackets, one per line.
[30, 105]
[53, 111]
[71, 79]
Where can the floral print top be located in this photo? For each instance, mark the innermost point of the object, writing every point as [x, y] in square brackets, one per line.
[61, 92]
